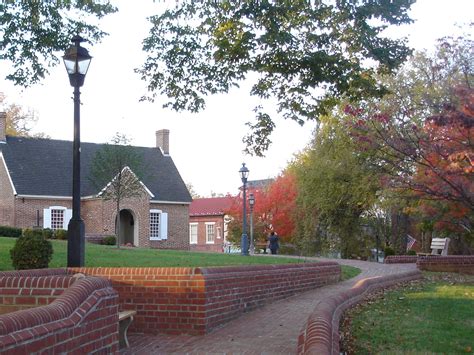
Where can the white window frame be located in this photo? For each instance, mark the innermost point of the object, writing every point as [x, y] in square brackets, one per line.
[191, 240]
[47, 216]
[208, 224]
[162, 225]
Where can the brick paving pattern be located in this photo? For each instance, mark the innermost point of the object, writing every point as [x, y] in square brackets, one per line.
[272, 329]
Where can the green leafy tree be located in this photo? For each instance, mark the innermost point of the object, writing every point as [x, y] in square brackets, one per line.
[116, 171]
[425, 84]
[420, 136]
[301, 53]
[336, 186]
[32, 32]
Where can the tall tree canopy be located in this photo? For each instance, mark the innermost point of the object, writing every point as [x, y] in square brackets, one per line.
[421, 135]
[302, 53]
[336, 185]
[20, 122]
[31, 32]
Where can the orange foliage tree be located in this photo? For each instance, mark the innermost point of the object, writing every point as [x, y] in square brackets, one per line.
[432, 160]
[445, 178]
[273, 210]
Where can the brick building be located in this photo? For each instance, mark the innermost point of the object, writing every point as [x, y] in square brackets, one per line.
[208, 223]
[36, 190]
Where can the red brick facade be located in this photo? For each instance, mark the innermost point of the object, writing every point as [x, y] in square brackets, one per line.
[178, 227]
[209, 211]
[219, 227]
[71, 315]
[99, 215]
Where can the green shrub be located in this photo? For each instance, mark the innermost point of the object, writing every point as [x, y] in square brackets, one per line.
[35, 232]
[10, 232]
[411, 252]
[109, 240]
[48, 233]
[31, 251]
[60, 234]
[388, 251]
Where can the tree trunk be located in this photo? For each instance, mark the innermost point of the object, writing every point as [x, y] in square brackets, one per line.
[118, 223]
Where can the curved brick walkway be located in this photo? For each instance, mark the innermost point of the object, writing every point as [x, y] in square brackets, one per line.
[273, 329]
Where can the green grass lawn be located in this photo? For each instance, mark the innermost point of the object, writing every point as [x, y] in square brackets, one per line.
[101, 255]
[432, 316]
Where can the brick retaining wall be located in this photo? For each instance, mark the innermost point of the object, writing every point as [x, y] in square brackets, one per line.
[320, 335]
[232, 291]
[196, 300]
[400, 259]
[73, 315]
[450, 263]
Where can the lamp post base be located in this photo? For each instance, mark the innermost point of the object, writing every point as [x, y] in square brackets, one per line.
[76, 243]
[244, 245]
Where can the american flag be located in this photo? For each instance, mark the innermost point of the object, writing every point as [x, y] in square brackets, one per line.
[410, 241]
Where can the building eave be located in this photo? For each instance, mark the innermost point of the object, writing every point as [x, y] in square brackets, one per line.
[171, 202]
[147, 190]
[45, 197]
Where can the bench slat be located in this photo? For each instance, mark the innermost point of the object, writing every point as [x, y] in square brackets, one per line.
[126, 314]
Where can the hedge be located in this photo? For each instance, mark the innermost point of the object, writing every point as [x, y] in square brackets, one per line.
[10, 232]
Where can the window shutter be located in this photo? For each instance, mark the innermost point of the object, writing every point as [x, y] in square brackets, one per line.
[164, 226]
[46, 218]
[67, 218]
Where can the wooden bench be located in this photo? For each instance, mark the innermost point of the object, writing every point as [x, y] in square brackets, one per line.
[439, 246]
[261, 248]
[125, 319]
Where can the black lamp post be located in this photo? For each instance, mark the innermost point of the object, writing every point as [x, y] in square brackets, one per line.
[244, 174]
[251, 204]
[77, 60]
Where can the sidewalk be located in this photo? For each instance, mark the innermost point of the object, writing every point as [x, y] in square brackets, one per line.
[273, 329]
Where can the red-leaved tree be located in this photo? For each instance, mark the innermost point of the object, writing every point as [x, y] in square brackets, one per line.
[273, 210]
[432, 160]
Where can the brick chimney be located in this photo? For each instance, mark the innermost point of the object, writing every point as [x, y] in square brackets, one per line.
[3, 127]
[163, 140]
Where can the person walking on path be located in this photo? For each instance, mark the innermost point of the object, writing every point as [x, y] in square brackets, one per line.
[273, 243]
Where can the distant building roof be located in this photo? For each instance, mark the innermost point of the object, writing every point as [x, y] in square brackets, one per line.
[213, 206]
[44, 167]
[258, 184]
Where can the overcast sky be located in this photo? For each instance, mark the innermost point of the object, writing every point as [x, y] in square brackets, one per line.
[206, 147]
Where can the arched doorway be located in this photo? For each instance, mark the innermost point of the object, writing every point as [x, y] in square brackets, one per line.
[127, 227]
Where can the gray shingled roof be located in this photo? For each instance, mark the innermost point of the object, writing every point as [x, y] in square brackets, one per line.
[44, 167]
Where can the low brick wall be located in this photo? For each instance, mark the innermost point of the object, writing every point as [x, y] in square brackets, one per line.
[320, 335]
[450, 263]
[231, 291]
[400, 259]
[73, 315]
[18, 293]
[196, 300]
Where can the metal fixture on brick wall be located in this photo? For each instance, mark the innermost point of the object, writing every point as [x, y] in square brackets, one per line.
[77, 60]
[251, 204]
[244, 245]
